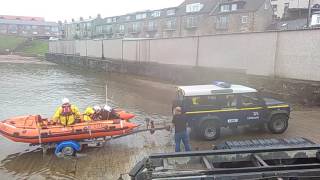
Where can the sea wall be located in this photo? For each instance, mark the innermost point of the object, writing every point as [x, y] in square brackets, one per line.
[294, 91]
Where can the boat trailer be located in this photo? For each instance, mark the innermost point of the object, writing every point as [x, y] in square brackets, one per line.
[295, 158]
[71, 147]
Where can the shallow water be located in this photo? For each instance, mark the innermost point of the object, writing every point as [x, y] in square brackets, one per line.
[39, 88]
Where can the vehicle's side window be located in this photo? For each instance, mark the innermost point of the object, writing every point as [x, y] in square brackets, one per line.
[195, 100]
[214, 102]
[231, 101]
[249, 100]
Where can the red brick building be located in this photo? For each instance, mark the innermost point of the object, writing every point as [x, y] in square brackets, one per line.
[28, 26]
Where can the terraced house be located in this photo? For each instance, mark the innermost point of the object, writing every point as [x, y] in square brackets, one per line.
[28, 26]
[191, 18]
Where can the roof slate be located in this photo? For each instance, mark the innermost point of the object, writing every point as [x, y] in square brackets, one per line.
[33, 23]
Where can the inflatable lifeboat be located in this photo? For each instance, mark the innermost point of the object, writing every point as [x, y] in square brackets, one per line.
[35, 130]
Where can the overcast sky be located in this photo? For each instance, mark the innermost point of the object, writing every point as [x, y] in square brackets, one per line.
[54, 10]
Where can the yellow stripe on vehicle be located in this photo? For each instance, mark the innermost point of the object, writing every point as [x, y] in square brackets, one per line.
[280, 106]
[231, 110]
[223, 110]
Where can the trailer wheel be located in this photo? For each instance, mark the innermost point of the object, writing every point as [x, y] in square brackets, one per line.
[67, 148]
[209, 130]
[68, 151]
[278, 124]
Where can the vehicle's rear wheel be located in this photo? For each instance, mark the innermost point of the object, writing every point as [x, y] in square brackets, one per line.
[278, 124]
[210, 131]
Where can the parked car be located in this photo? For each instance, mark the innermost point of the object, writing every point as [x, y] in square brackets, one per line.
[210, 107]
[53, 39]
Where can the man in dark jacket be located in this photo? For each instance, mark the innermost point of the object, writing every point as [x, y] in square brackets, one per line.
[180, 124]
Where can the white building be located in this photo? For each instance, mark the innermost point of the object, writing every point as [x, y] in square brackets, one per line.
[280, 6]
[315, 19]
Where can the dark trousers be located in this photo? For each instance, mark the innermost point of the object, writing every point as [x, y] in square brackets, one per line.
[182, 136]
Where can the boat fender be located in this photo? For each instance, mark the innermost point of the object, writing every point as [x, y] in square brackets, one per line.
[74, 144]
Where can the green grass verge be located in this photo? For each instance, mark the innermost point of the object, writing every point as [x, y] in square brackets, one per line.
[10, 42]
[36, 47]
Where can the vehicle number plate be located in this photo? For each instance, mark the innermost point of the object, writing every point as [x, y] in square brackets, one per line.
[233, 120]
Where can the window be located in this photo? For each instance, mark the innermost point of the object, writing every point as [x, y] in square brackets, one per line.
[171, 24]
[88, 26]
[286, 5]
[47, 27]
[135, 27]
[156, 14]
[318, 20]
[107, 29]
[225, 8]
[275, 8]
[192, 22]
[54, 29]
[171, 12]
[213, 102]
[151, 26]
[222, 22]
[99, 29]
[114, 20]
[128, 18]
[121, 28]
[266, 6]
[109, 20]
[27, 27]
[34, 27]
[244, 19]
[250, 100]
[234, 7]
[196, 7]
[141, 16]
[13, 27]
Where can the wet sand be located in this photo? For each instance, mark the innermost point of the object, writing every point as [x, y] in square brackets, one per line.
[22, 60]
[142, 96]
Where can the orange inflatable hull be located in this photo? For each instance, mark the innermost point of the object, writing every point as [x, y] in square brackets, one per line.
[123, 114]
[34, 130]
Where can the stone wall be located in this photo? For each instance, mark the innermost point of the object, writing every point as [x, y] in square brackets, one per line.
[290, 54]
[294, 91]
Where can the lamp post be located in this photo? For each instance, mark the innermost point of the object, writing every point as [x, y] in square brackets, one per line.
[309, 14]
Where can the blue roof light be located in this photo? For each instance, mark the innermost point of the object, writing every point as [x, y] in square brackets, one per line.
[222, 84]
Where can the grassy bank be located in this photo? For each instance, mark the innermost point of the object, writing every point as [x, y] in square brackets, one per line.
[23, 45]
[10, 42]
[35, 47]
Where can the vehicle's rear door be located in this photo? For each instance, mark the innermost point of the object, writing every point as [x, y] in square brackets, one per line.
[252, 108]
[229, 111]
